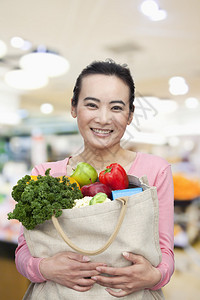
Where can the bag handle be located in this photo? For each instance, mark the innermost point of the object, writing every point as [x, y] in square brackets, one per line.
[124, 202]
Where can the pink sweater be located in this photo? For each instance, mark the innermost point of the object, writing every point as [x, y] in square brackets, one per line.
[158, 172]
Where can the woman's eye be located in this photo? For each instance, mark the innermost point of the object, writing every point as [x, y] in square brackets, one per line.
[92, 105]
[116, 107]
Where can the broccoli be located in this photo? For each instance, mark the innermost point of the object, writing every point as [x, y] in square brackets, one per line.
[39, 200]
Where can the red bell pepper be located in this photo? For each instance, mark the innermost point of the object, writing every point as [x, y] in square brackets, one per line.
[114, 176]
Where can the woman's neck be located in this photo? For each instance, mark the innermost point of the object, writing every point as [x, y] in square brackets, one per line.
[99, 159]
[101, 156]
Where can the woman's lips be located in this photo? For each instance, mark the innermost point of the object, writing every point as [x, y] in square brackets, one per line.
[101, 132]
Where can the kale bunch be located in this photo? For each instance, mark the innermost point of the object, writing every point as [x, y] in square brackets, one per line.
[39, 200]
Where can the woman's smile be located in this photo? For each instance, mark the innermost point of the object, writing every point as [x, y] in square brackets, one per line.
[101, 132]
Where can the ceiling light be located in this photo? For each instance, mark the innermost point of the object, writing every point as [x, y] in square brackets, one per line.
[26, 46]
[46, 108]
[18, 42]
[151, 9]
[191, 102]
[178, 86]
[159, 15]
[3, 48]
[176, 80]
[44, 61]
[25, 80]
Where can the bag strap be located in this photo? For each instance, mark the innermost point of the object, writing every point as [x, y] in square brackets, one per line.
[57, 226]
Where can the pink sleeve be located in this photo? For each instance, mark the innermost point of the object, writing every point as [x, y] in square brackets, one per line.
[27, 265]
[165, 190]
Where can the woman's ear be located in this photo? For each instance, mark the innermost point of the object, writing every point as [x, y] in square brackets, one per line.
[130, 119]
[73, 111]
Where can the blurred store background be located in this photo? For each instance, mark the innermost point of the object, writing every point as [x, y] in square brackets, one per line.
[43, 47]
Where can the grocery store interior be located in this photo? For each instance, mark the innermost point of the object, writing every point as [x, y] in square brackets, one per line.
[44, 45]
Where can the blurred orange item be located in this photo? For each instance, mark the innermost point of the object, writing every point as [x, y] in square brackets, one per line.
[185, 188]
[71, 180]
[33, 177]
[177, 229]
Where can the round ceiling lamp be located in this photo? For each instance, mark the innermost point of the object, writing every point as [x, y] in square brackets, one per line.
[44, 61]
[46, 108]
[25, 80]
[178, 86]
[20, 43]
[151, 9]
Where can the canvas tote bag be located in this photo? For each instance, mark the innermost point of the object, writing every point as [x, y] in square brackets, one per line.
[102, 231]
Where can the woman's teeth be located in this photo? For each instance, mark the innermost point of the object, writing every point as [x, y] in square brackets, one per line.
[103, 131]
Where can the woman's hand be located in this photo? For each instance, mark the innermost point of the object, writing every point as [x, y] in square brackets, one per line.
[129, 279]
[71, 270]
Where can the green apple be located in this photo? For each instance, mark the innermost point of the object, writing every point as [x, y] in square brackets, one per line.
[98, 198]
[84, 174]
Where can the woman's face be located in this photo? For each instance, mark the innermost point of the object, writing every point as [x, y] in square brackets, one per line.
[103, 110]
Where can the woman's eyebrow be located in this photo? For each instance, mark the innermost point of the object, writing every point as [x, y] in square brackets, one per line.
[111, 102]
[117, 101]
[91, 98]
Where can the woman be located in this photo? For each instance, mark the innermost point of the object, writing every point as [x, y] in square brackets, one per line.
[103, 105]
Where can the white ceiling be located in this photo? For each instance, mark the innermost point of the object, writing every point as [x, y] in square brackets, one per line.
[87, 30]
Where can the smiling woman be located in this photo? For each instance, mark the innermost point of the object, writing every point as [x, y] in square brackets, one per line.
[102, 103]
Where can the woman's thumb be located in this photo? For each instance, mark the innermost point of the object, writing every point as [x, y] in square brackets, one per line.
[130, 256]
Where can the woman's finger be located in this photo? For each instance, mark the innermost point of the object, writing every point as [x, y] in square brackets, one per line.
[79, 288]
[117, 294]
[111, 270]
[84, 259]
[85, 282]
[77, 257]
[109, 281]
[113, 286]
[134, 258]
[88, 273]
[91, 266]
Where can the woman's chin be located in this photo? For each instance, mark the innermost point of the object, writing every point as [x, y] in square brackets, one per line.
[101, 144]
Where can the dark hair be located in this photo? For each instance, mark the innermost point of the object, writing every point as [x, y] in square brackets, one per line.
[108, 67]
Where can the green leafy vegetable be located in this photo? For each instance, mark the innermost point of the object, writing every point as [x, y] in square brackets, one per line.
[39, 200]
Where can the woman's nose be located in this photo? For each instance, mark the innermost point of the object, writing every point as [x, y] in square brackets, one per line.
[104, 116]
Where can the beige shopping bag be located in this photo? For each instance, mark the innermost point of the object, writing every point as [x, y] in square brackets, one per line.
[102, 231]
